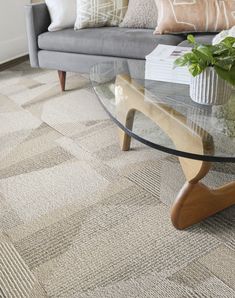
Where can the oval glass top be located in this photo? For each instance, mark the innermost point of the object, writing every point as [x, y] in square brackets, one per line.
[162, 115]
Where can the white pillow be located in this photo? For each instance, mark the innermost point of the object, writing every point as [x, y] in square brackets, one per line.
[223, 34]
[62, 13]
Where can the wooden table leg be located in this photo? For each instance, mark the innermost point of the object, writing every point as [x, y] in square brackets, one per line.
[127, 119]
[196, 202]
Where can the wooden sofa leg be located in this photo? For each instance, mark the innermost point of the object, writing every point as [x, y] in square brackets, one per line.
[62, 77]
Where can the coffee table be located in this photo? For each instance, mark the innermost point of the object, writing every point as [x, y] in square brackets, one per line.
[162, 116]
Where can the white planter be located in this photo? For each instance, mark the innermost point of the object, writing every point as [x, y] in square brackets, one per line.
[209, 89]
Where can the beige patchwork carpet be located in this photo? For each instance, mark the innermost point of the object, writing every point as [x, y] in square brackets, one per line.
[79, 218]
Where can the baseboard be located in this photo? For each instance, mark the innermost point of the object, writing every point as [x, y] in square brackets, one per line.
[13, 62]
[13, 48]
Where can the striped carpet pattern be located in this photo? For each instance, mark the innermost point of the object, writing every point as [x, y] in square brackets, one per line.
[81, 219]
[16, 280]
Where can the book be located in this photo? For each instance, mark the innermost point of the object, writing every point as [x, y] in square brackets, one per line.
[160, 65]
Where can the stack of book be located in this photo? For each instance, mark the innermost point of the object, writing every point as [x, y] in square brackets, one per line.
[160, 65]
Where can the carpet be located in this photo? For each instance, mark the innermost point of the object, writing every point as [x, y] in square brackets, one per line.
[81, 219]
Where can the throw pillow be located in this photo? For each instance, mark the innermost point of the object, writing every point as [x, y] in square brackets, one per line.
[100, 13]
[177, 16]
[62, 13]
[140, 14]
[223, 34]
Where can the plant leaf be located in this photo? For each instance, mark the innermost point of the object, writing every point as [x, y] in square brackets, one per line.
[226, 75]
[182, 61]
[195, 69]
[228, 41]
[205, 51]
[221, 56]
[191, 39]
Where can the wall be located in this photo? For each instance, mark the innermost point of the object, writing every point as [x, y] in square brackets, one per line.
[13, 42]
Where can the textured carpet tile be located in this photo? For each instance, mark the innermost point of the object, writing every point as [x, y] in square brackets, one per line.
[82, 219]
[16, 280]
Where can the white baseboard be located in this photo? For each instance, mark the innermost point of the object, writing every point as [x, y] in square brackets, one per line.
[12, 49]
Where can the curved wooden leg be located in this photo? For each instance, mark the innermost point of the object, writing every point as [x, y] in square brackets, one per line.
[127, 119]
[196, 201]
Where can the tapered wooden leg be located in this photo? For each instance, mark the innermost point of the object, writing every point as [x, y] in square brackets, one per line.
[196, 202]
[62, 78]
[124, 140]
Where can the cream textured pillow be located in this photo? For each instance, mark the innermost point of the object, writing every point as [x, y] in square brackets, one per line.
[223, 34]
[62, 13]
[176, 16]
[140, 14]
[98, 13]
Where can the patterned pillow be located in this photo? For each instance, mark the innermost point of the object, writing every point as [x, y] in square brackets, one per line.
[176, 16]
[98, 13]
[140, 14]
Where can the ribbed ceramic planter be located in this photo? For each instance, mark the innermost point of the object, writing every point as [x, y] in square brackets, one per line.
[209, 89]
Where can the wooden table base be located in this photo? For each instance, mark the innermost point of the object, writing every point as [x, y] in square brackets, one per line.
[195, 201]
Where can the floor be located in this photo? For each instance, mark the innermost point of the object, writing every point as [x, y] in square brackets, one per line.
[80, 218]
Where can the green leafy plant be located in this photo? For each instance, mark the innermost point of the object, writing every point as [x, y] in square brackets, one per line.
[221, 57]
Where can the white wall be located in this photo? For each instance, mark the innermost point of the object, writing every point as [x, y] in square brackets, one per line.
[13, 42]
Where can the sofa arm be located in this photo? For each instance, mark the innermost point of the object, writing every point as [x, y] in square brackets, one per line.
[37, 22]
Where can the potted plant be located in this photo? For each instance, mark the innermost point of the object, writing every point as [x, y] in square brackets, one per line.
[213, 70]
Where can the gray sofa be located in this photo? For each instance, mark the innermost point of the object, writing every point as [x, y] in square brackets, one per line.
[77, 51]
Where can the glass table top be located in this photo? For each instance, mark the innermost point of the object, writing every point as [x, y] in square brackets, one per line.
[162, 115]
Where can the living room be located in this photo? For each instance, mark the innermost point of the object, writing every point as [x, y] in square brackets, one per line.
[117, 174]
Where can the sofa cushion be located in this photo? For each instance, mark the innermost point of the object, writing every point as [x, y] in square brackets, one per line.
[107, 41]
[200, 38]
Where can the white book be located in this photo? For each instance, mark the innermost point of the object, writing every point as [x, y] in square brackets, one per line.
[164, 52]
[160, 65]
[174, 76]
